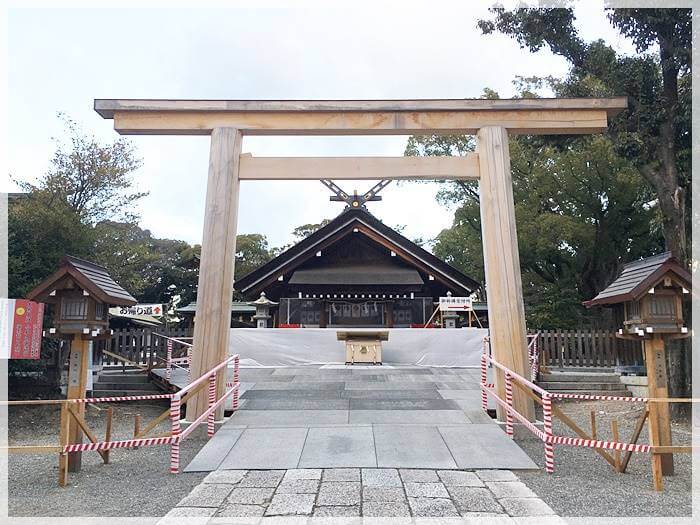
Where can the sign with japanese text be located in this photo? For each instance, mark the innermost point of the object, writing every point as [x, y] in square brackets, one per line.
[156, 310]
[20, 329]
[455, 304]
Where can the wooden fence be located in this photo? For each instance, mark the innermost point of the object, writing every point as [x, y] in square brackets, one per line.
[557, 348]
[139, 345]
[589, 348]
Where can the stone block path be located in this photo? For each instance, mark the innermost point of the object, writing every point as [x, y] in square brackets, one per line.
[338, 416]
[227, 496]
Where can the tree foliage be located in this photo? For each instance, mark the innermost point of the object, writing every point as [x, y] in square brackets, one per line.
[303, 231]
[654, 133]
[92, 179]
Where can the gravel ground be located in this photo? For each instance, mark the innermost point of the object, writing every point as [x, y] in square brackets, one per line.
[135, 483]
[584, 484]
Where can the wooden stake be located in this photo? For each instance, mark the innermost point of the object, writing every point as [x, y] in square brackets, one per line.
[502, 263]
[616, 439]
[137, 426]
[63, 441]
[635, 437]
[659, 413]
[77, 385]
[594, 430]
[108, 434]
[83, 426]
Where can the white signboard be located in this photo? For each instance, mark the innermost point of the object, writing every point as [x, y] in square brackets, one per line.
[455, 304]
[156, 310]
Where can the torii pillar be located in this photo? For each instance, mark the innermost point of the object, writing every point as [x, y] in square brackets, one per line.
[490, 120]
[504, 290]
[215, 288]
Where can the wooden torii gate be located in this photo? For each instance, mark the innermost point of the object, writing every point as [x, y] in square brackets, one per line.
[227, 121]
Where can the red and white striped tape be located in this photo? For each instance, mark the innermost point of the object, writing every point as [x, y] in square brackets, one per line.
[212, 401]
[509, 402]
[599, 398]
[169, 359]
[592, 443]
[484, 397]
[534, 355]
[128, 443]
[548, 445]
[528, 424]
[175, 432]
[189, 364]
[236, 382]
[119, 398]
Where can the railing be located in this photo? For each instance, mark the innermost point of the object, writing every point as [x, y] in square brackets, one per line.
[141, 438]
[175, 359]
[549, 439]
[140, 345]
[587, 348]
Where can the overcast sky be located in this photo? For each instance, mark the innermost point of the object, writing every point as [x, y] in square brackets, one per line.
[60, 60]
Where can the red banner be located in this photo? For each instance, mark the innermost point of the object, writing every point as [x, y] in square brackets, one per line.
[21, 325]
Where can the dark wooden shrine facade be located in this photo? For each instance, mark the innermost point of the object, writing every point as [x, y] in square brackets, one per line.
[355, 271]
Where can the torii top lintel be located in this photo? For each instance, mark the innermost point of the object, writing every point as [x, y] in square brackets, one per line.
[542, 116]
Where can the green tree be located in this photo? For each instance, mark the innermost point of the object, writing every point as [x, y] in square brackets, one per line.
[252, 251]
[580, 209]
[40, 233]
[303, 231]
[654, 133]
[91, 178]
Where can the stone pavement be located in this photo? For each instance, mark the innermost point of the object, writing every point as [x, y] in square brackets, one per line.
[360, 416]
[250, 495]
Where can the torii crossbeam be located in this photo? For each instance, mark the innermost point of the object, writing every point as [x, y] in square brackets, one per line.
[491, 120]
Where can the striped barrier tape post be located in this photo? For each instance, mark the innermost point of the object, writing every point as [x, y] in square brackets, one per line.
[236, 362]
[175, 433]
[534, 359]
[127, 443]
[523, 420]
[509, 402]
[599, 398]
[189, 364]
[212, 400]
[484, 397]
[548, 444]
[169, 359]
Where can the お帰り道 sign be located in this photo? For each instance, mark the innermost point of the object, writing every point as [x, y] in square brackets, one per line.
[155, 310]
[20, 328]
[455, 304]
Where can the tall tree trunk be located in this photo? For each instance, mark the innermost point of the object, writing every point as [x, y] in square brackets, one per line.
[672, 203]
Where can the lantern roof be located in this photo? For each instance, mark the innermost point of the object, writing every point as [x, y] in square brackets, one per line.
[638, 277]
[262, 300]
[89, 276]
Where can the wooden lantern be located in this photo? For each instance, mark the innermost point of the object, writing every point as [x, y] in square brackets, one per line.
[80, 293]
[648, 301]
[647, 298]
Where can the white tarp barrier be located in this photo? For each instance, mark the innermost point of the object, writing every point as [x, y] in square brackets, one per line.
[312, 346]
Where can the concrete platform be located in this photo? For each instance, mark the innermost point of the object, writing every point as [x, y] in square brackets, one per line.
[362, 416]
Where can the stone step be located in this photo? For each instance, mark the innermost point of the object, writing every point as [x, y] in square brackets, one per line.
[578, 377]
[559, 386]
[103, 385]
[582, 369]
[122, 378]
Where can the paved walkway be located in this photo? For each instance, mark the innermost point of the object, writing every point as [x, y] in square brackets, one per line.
[361, 416]
[353, 492]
